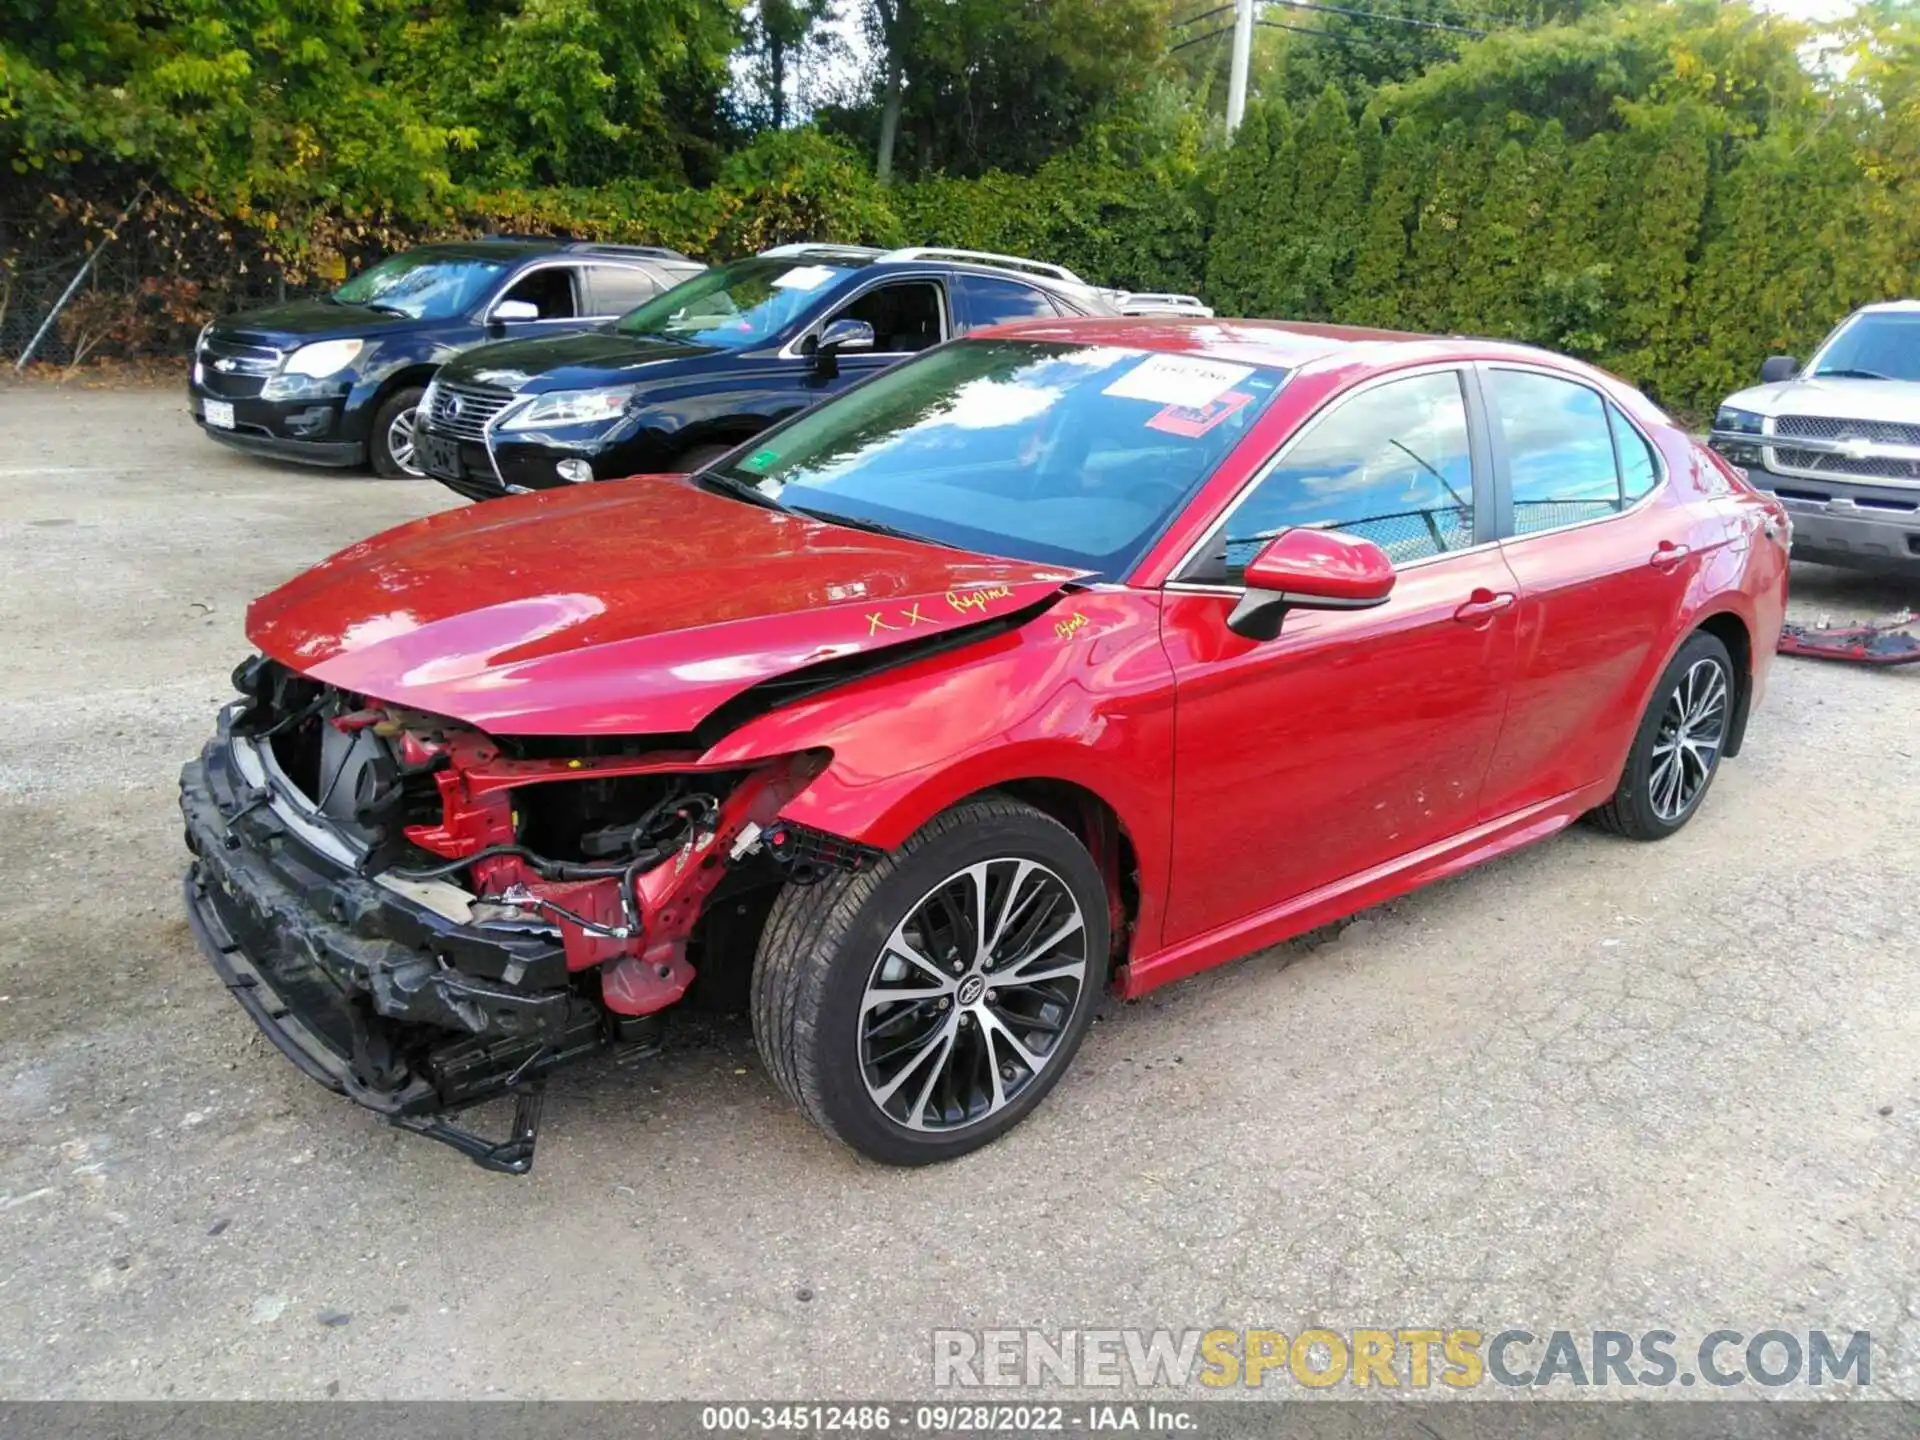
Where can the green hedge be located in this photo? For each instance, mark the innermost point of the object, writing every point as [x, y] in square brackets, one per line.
[1665, 189]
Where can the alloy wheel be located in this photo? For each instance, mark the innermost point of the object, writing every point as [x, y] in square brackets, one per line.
[968, 1000]
[1692, 727]
[400, 442]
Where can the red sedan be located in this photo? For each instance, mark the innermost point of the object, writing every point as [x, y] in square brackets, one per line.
[1067, 656]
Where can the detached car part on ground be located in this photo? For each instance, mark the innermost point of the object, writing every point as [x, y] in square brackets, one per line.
[1878, 642]
[1839, 441]
[705, 367]
[335, 380]
[1074, 655]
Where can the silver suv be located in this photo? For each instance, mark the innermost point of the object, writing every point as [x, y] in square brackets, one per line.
[1839, 441]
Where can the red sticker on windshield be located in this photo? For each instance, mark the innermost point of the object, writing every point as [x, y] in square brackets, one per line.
[1192, 424]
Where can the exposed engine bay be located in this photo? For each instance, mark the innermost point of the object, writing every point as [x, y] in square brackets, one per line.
[425, 917]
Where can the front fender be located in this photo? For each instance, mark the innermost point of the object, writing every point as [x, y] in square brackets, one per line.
[1083, 694]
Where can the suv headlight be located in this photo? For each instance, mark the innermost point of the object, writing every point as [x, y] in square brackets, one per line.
[1729, 424]
[308, 371]
[572, 407]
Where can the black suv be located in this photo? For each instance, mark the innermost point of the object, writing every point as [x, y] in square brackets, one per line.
[696, 371]
[335, 380]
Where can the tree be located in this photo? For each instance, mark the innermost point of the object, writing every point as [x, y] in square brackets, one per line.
[779, 32]
[1492, 279]
[1273, 266]
[966, 86]
[1373, 295]
[1314, 234]
[1239, 222]
[1435, 252]
[1660, 184]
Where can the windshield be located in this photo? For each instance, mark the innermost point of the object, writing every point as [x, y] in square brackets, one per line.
[422, 283]
[735, 306]
[1883, 345]
[1056, 453]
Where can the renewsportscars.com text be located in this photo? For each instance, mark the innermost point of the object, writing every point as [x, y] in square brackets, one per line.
[1406, 1358]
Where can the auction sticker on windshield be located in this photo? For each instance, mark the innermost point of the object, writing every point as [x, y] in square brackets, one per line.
[1191, 422]
[1183, 380]
[803, 277]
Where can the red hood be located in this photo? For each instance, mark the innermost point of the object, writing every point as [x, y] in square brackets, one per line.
[630, 608]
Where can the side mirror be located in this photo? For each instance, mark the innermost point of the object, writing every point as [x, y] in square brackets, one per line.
[1776, 368]
[516, 310]
[1311, 570]
[845, 335]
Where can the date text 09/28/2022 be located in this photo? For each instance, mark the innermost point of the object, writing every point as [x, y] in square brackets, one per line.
[948, 1419]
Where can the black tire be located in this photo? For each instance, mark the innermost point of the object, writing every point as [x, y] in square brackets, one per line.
[823, 945]
[382, 442]
[1637, 809]
[698, 458]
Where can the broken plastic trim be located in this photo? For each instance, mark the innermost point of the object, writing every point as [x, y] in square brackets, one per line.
[1886, 642]
[511, 1156]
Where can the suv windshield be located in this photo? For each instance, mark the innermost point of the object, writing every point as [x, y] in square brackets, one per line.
[422, 283]
[733, 306]
[1880, 345]
[1057, 453]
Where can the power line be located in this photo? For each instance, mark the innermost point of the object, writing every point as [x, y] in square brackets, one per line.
[1203, 15]
[1378, 17]
[1200, 39]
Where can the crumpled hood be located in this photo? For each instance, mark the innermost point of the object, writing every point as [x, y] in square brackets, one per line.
[1840, 397]
[633, 607]
[585, 360]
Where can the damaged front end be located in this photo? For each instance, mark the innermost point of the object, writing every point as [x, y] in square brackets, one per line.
[425, 918]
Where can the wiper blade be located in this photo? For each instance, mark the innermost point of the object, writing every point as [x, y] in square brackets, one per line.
[726, 484]
[388, 309]
[875, 527]
[1848, 373]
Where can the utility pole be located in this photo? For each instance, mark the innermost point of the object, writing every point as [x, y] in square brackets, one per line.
[1242, 58]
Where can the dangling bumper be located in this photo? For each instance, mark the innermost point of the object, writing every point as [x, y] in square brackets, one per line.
[378, 990]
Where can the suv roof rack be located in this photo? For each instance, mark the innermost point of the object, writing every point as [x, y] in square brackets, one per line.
[797, 248]
[652, 252]
[984, 257]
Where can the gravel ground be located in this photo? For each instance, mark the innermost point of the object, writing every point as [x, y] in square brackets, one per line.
[1593, 1085]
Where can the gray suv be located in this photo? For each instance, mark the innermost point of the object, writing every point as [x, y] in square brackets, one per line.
[1839, 441]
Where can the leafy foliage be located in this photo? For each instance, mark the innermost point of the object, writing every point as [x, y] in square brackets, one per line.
[1673, 188]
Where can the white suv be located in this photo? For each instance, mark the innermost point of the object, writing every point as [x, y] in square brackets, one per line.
[1839, 441]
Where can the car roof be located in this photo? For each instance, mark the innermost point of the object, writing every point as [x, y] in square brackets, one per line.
[861, 257]
[1891, 307]
[1287, 344]
[489, 249]
[504, 247]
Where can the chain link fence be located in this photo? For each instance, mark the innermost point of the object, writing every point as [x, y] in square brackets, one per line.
[161, 269]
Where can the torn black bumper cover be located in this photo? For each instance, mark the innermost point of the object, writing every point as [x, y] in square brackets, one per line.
[374, 994]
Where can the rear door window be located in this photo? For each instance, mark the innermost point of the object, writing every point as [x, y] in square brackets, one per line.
[1559, 445]
[990, 301]
[1639, 465]
[616, 289]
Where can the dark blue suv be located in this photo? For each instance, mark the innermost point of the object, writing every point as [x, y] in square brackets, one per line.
[692, 373]
[335, 380]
